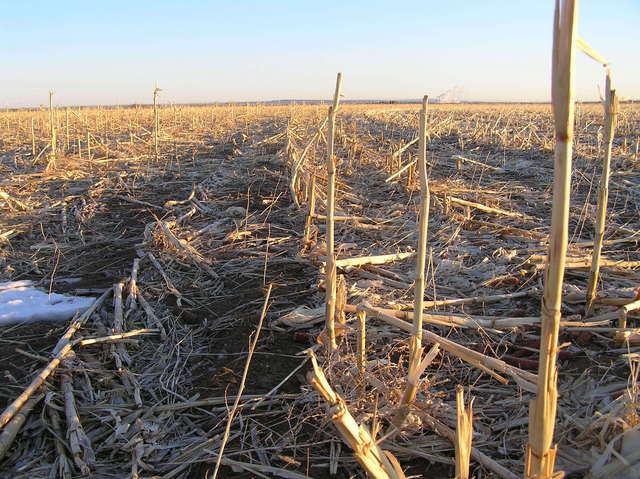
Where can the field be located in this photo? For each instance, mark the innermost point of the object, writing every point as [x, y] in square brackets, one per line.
[192, 223]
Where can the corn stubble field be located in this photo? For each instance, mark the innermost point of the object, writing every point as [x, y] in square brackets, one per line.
[209, 267]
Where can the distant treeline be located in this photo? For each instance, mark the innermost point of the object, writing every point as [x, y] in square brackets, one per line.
[302, 102]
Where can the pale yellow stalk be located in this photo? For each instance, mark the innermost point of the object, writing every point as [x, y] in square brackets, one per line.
[610, 113]
[331, 205]
[541, 451]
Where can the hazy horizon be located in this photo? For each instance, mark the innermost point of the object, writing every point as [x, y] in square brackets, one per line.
[290, 101]
[197, 52]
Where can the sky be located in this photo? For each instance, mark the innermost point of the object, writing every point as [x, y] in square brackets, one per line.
[116, 52]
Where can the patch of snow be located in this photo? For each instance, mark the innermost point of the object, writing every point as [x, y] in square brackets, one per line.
[20, 301]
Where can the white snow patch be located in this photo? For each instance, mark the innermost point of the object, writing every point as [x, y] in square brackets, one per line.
[20, 301]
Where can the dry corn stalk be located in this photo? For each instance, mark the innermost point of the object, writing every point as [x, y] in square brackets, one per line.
[451, 320]
[362, 342]
[10, 431]
[66, 136]
[486, 209]
[403, 169]
[62, 349]
[464, 435]
[416, 364]
[11, 201]
[331, 205]
[33, 140]
[52, 124]
[300, 161]
[413, 383]
[377, 259]
[624, 310]
[418, 294]
[133, 287]
[610, 113]
[379, 464]
[541, 453]
[311, 210]
[156, 121]
[63, 462]
[79, 442]
[445, 431]
[586, 48]
[486, 363]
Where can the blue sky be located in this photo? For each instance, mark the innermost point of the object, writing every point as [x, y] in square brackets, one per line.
[113, 52]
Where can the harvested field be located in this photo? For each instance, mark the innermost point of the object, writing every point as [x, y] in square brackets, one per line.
[183, 242]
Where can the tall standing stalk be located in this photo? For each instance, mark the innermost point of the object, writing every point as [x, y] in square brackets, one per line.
[541, 452]
[312, 209]
[52, 125]
[425, 199]
[156, 121]
[421, 260]
[416, 366]
[331, 207]
[610, 113]
[66, 136]
[33, 139]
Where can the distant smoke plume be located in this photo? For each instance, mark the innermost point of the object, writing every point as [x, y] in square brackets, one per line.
[453, 95]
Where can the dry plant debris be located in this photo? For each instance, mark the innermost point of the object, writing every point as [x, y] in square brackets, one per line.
[182, 243]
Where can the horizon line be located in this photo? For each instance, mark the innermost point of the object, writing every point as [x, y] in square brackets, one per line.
[293, 101]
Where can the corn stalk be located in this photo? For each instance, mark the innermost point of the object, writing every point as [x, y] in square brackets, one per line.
[331, 207]
[464, 434]
[156, 121]
[610, 114]
[52, 125]
[541, 452]
[416, 348]
[379, 464]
